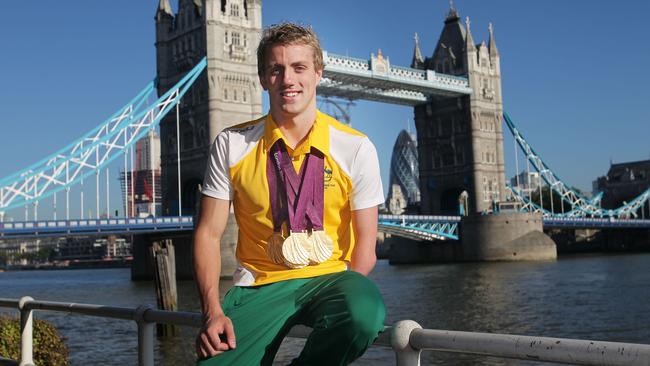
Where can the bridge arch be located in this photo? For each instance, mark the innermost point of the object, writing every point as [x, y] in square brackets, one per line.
[449, 200]
[190, 195]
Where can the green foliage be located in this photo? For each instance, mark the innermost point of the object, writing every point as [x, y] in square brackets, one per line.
[49, 348]
[558, 202]
[43, 255]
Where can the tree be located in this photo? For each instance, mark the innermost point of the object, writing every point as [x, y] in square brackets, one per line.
[558, 202]
[49, 348]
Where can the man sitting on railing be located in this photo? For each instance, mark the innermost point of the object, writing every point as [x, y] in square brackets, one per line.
[305, 190]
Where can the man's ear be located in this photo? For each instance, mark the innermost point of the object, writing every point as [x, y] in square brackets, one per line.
[263, 82]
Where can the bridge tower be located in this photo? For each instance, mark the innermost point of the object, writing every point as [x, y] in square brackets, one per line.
[228, 32]
[460, 139]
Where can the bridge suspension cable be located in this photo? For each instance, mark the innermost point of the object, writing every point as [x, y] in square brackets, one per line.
[581, 206]
[93, 151]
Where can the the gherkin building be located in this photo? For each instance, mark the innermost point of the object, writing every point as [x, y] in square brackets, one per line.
[404, 189]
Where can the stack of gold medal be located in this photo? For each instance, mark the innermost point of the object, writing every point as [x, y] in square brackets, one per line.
[300, 249]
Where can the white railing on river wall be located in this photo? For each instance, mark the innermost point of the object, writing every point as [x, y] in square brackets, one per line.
[406, 338]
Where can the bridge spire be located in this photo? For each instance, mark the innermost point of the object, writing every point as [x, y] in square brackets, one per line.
[418, 60]
[165, 8]
[470, 46]
[453, 13]
[492, 45]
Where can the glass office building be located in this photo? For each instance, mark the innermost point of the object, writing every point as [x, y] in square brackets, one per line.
[404, 172]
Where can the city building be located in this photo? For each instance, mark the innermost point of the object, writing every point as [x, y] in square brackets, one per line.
[71, 248]
[114, 247]
[526, 182]
[20, 252]
[396, 202]
[623, 182]
[403, 188]
[141, 187]
[17, 252]
[90, 248]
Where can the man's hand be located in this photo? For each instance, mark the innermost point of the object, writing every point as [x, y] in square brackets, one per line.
[216, 336]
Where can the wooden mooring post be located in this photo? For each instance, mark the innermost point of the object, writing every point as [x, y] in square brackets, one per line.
[163, 259]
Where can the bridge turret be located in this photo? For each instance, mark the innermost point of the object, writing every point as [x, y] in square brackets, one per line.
[164, 26]
[418, 61]
[494, 52]
[453, 14]
[448, 55]
[164, 11]
[486, 114]
[459, 138]
[470, 47]
[495, 58]
[233, 29]
[227, 32]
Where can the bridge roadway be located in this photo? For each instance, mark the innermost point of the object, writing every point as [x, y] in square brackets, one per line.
[410, 226]
[377, 80]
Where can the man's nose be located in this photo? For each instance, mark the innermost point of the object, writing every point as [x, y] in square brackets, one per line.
[287, 77]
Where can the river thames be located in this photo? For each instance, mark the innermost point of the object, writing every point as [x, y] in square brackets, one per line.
[600, 297]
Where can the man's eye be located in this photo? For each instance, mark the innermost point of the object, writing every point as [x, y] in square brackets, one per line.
[275, 72]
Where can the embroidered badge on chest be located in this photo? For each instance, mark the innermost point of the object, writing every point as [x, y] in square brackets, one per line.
[297, 202]
[327, 178]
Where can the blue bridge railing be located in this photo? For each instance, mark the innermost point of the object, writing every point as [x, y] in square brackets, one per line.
[21, 229]
[419, 227]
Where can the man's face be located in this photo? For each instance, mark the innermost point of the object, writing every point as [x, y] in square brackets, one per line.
[290, 78]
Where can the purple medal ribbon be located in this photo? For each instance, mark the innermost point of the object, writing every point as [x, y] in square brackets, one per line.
[296, 197]
[278, 196]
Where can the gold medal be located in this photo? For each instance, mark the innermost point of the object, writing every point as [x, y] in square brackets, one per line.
[322, 247]
[295, 253]
[274, 248]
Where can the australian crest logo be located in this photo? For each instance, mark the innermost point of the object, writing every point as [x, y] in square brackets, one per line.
[327, 177]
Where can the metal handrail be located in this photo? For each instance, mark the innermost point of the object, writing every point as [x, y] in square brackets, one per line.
[406, 337]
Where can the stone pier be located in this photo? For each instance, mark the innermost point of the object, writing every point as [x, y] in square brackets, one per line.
[142, 268]
[500, 237]
[505, 237]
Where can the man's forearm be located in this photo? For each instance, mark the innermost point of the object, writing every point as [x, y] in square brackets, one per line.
[364, 223]
[207, 270]
[364, 262]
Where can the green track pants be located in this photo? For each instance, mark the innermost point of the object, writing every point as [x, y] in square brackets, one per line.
[345, 310]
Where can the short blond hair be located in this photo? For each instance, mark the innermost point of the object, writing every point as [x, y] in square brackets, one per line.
[288, 34]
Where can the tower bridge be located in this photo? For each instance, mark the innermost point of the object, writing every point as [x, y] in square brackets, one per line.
[207, 80]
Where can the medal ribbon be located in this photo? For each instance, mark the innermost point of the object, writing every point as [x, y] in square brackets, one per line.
[278, 196]
[303, 191]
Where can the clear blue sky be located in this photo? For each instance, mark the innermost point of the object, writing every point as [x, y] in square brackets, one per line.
[575, 73]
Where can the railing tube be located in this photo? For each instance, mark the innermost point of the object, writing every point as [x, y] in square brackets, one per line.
[400, 334]
[545, 349]
[26, 332]
[145, 337]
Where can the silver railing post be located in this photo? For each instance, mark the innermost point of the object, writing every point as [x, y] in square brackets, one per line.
[399, 340]
[145, 337]
[26, 332]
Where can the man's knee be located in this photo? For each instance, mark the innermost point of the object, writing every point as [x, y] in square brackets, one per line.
[365, 306]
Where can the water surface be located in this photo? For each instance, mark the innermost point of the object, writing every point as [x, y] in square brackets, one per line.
[587, 297]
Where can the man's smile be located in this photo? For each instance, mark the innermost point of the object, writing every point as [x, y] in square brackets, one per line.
[290, 93]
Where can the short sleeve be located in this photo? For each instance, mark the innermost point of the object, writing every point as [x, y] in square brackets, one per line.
[367, 190]
[216, 182]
